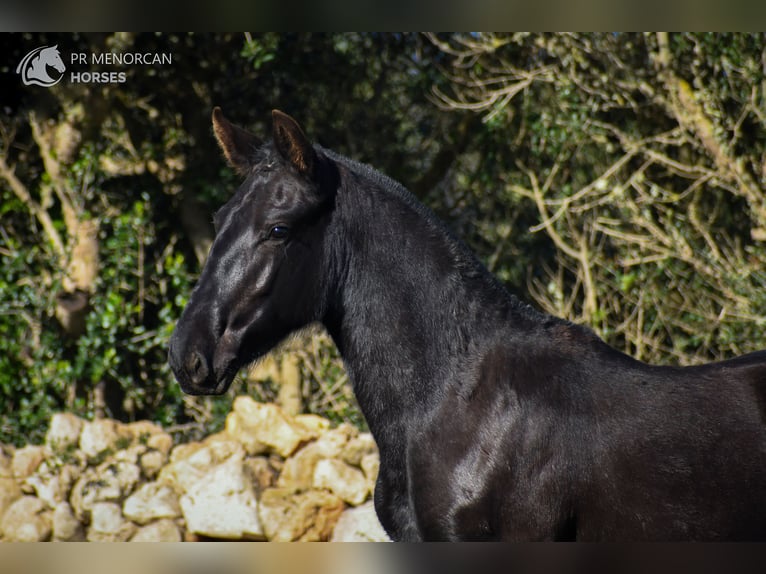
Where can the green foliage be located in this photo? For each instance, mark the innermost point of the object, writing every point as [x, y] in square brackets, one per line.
[261, 50]
[31, 387]
[139, 294]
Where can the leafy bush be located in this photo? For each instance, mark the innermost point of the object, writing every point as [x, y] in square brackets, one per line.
[139, 294]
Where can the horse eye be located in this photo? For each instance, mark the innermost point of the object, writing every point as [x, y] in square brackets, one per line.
[279, 232]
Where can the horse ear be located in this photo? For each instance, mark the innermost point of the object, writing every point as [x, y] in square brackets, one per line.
[292, 143]
[237, 144]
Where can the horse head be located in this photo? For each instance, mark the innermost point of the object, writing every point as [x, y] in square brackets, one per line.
[262, 277]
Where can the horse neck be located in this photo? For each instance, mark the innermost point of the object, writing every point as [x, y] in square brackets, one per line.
[409, 305]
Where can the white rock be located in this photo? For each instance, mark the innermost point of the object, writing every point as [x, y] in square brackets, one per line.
[359, 524]
[26, 521]
[63, 431]
[370, 466]
[108, 525]
[185, 450]
[164, 530]
[66, 528]
[263, 427]
[313, 422]
[110, 482]
[162, 442]
[53, 484]
[151, 462]
[27, 459]
[151, 501]
[332, 442]
[124, 474]
[132, 454]
[301, 516]
[359, 447]
[141, 431]
[222, 503]
[90, 489]
[298, 470]
[189, 466]
[106, 517]
[10, 492]
[102, 435]
[345, 481]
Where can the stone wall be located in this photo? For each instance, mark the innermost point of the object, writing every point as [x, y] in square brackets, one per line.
[267, 476]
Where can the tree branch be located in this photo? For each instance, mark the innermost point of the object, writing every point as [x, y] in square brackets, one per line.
[20, 190]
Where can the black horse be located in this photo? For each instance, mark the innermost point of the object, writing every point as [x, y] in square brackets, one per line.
[493, 420]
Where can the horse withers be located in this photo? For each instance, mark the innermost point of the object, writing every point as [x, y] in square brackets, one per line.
[494, 421]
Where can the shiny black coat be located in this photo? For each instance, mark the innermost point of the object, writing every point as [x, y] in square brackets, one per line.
[494, 421]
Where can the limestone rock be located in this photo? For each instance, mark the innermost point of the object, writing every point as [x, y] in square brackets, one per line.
[333, 442]
[151, 462]
[10, 492]
[222, 504]
[164, 530]
[27, 459]
[189, 466]
[185, 450]
[26, 521]
[314, 423]
[298, 470]
[131, 454]
[141, 431]
[110, 482]
[66, 527]
[151, 501]
[346, 481]
[108, 525]
[63, 431]
[101, 436]
[359, 447]
[359, 524]
[370, 466]
[261, 473]
[90, 489]
[162, 442]
[306, 516]
[125, 474]
[265, 428]
[217, 437]
[53, 484]
[268, 475]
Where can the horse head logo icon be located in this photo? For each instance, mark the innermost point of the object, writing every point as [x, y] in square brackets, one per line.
[35, 67]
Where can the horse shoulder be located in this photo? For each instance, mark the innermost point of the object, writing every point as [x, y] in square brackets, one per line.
[487, 445]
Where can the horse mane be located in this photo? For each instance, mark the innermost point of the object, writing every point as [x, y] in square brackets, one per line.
[267, 158]
[463, 255]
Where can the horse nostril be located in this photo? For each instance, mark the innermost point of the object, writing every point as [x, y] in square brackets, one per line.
[197, 367]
